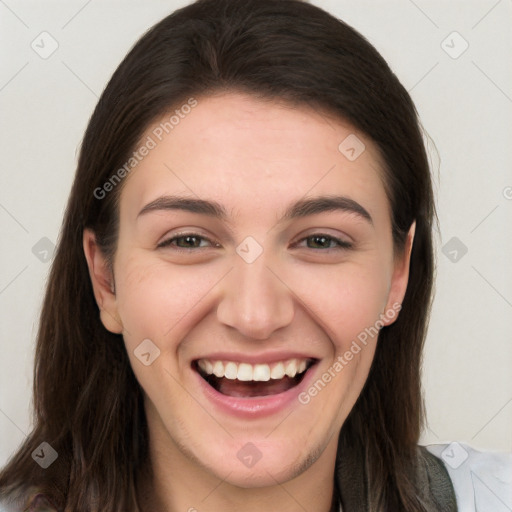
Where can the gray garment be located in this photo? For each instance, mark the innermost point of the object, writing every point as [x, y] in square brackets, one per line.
[434, 484]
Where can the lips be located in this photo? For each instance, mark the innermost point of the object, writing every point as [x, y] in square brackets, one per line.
[246, 380]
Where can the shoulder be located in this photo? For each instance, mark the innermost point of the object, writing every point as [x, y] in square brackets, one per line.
[481, 480]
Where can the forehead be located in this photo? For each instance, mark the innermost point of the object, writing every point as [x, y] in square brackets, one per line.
[243, 151]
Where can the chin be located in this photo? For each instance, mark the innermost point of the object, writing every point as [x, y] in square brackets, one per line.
[252, 464]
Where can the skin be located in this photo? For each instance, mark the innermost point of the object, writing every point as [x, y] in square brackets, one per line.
[255, 158]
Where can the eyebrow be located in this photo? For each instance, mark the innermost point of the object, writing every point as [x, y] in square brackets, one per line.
[301, 208]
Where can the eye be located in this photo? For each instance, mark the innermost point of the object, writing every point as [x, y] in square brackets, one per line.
[186, 241]
[318, 241]
[324, 242]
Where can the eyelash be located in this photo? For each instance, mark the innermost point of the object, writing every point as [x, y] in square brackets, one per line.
[342, 244]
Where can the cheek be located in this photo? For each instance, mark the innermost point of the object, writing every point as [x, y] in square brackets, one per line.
[157, 300]
[345, 299]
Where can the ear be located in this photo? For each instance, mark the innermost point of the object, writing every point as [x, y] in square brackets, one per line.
[400, 279]
[102, 283]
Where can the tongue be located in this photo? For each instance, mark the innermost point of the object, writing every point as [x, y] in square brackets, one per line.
[241, 389]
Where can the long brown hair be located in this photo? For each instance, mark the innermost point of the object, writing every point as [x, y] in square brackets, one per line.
[87, 402]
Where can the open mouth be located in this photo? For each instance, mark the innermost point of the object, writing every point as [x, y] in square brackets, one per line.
[243, 380]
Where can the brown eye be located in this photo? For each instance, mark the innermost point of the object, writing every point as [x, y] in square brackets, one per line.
[323, 242]
[186, 241]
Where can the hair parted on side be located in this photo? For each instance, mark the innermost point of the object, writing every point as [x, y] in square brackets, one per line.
[87, 402]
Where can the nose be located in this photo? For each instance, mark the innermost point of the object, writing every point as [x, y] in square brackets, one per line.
[255, 300]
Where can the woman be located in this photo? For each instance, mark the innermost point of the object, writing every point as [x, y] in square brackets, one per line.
[239, 299]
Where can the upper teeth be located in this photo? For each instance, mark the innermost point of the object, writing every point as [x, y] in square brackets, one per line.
[256, 372]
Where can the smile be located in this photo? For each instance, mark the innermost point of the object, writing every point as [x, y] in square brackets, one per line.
[245, 380]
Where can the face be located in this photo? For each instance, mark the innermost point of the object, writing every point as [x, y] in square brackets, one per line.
[249, 309]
